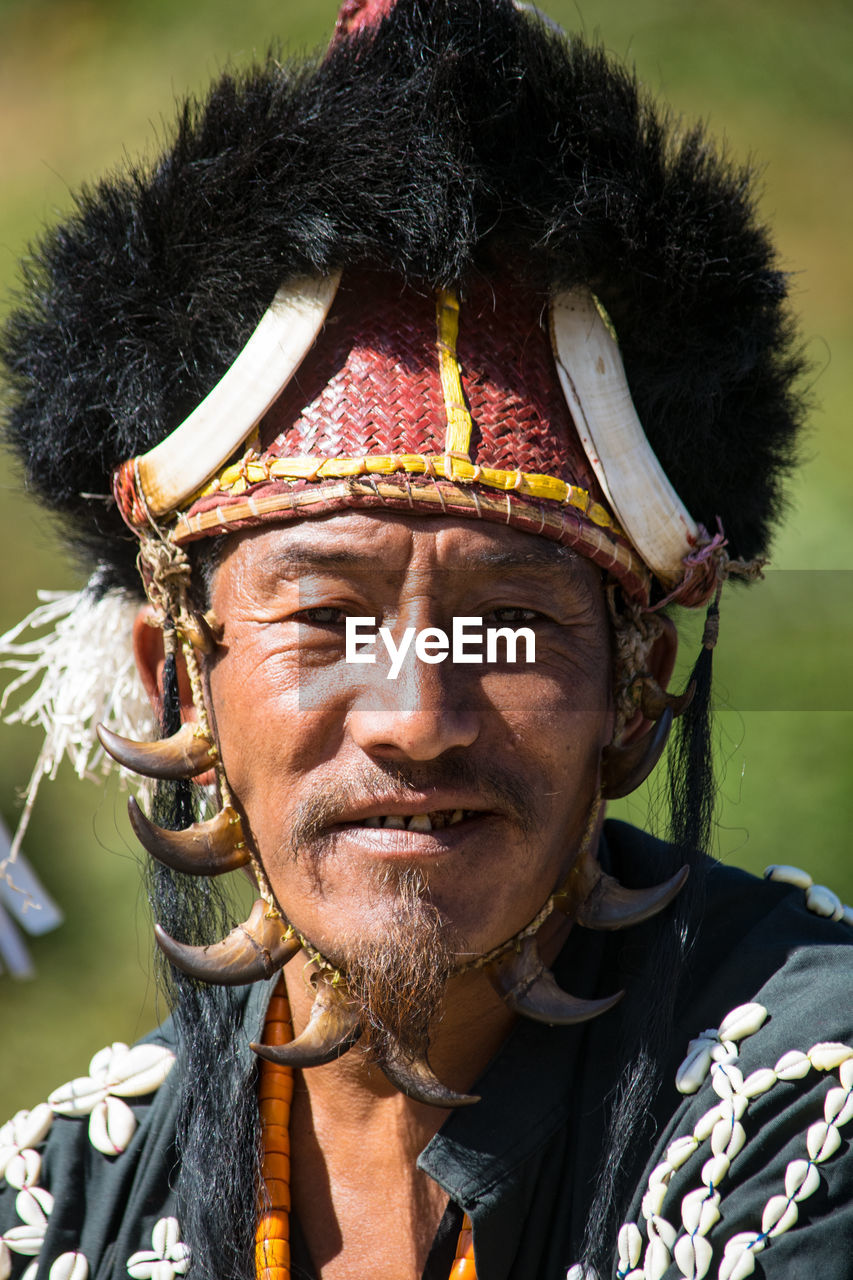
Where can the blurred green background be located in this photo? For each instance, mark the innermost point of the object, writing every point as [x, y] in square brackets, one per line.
[83, 83]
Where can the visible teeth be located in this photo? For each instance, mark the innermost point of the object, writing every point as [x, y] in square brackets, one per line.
[420, 822]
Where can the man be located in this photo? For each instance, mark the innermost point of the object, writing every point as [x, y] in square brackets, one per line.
[346, 356]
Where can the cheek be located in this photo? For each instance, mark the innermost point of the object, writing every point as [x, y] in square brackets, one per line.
[267, 725]
[552, 705]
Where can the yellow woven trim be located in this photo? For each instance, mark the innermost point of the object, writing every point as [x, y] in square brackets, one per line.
[256, 507]
[457, 439]
[242, 475]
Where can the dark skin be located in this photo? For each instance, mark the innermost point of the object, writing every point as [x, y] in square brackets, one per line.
[293, 719]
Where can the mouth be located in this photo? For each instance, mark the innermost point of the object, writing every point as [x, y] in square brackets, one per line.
[435, 820]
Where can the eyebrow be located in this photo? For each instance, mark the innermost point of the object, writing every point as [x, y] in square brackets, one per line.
[548, 556]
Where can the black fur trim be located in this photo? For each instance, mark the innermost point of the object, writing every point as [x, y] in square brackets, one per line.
[460, 138]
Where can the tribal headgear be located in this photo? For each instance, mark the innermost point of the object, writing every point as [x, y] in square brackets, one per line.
[459, 265]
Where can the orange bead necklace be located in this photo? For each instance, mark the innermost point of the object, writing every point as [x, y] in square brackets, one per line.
[275, 1095]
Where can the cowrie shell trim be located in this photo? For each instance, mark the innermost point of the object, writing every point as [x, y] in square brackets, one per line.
[700, 1209]
[819, 899]
[114, 1072]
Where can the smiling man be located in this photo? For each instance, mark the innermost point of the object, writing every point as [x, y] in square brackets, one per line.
[446, 330]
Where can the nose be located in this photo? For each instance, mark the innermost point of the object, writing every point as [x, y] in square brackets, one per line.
[426, 711]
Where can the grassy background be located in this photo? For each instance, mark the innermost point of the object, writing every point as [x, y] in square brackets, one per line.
[84, 82]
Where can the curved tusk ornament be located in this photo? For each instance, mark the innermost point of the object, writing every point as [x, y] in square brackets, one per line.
[416, 1079]
[185, 755]
[623, 769]
[611, 906]
[256, 949]
[204, 849]
[654, 700]
[182, 463]
[530, 989]
[597, 900]
[592, 376]
[333, 1028]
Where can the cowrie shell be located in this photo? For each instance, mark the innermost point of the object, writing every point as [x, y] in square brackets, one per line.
[758, 1082]
[661, 1229]
[165, 1236]
[801, 1180]
[5, 1260]
[705, 1124]
[737, 1266]
[103, 1059]
[734, 1108]
[78, 1096]
[142, 1070]
[660, 1174]
[823, 902]
[838, 1107]
[657, 1259]
[829, 1054]
[630, 1246]
[70, 1266]
[26, 1240]
[694, 1069]
[181, 1258]
[700, 1212]
[725, 1052]
[739, 1256]
[726, 1080]
[32, 1127]
[693, 1255]
[736, 1140]
[111, 1126]
[679, 1151]
[845, 1073]
[793, 1065]
[34, 1206]
[715, 1169]
[788, 875]
[779, 1214]
[743, 1021]
[147, 1266]
[822, 1141]
[745, 1240]
[23, 1169]
[653, 1200]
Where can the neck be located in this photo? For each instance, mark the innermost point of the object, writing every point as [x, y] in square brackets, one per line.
[355, 1140]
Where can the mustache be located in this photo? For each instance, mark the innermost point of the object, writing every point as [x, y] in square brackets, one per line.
[496, 787]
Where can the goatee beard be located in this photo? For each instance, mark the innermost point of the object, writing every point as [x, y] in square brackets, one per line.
[398, 981]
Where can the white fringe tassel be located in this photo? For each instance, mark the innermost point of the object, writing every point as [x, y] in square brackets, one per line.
[85, 674]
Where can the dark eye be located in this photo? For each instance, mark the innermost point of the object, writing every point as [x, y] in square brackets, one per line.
[511, 614]
[322, 616]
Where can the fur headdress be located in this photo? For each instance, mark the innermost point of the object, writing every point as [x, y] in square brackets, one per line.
[456, 141]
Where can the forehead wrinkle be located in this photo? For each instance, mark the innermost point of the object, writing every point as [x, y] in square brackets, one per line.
[496, 559]
[302, 557]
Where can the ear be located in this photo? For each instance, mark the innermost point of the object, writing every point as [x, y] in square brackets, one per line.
[660, 664]
[150, 658]
[150, 655]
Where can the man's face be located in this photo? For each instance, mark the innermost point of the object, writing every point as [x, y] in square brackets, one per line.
[330, 759]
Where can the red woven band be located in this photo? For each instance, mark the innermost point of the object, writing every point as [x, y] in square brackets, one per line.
[364, 423]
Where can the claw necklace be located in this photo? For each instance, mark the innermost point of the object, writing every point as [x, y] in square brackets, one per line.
[275, 1094]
